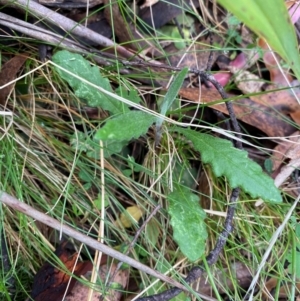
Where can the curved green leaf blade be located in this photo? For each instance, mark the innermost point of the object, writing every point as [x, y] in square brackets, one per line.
[270, 20]
[168, 101]
[187, 220]
[234, 164]
[171, 95]
[125, 127]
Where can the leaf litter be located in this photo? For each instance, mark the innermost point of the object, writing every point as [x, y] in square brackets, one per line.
[268, 108]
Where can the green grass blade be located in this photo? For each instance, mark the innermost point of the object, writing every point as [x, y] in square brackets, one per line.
[125, 127]
[171, 95]
[79, 66]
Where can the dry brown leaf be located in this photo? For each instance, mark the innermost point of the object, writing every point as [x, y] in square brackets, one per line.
[239, 271]
[290, 3]
[278, 75]
[284, 292]
[8, 73]
[288, 152]
[273, 94]
[51, 283]
[288, 149]
[80, 291]
[195, 57]
[248, 83]
[282, 99]
[286, 171]
[261, 116]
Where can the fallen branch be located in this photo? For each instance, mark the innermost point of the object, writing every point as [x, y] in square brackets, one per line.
[51, 38]
[53, 223]
[38, 10]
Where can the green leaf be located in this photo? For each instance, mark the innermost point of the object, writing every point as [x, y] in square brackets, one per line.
[187, 220]
[181, 297]
[234, 164]
[85, 176]
[76, 64]
[185, 174]
[171, 32]
[270, 20]
[126, 126]
[92, 148]
[152, 232]
[131, 94]
[110, 148]
[98, 202]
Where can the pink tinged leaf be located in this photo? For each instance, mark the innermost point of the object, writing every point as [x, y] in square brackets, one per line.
[222, 77]
[240, 61]
[243, 61]
[294, 10]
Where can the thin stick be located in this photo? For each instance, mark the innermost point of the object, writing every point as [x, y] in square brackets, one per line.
[136, 236]
[49, 37]
[38, 10]
[53, 223]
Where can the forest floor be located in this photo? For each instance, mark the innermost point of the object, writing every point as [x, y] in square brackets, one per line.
[115, 122]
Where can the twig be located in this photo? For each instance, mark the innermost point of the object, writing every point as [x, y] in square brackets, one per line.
[36, 32]
[53, 223]
[138, 232]
[210, 56]
[224, 119]
[47, 36]
[132, 243]
[234, 122]
[38, 10]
